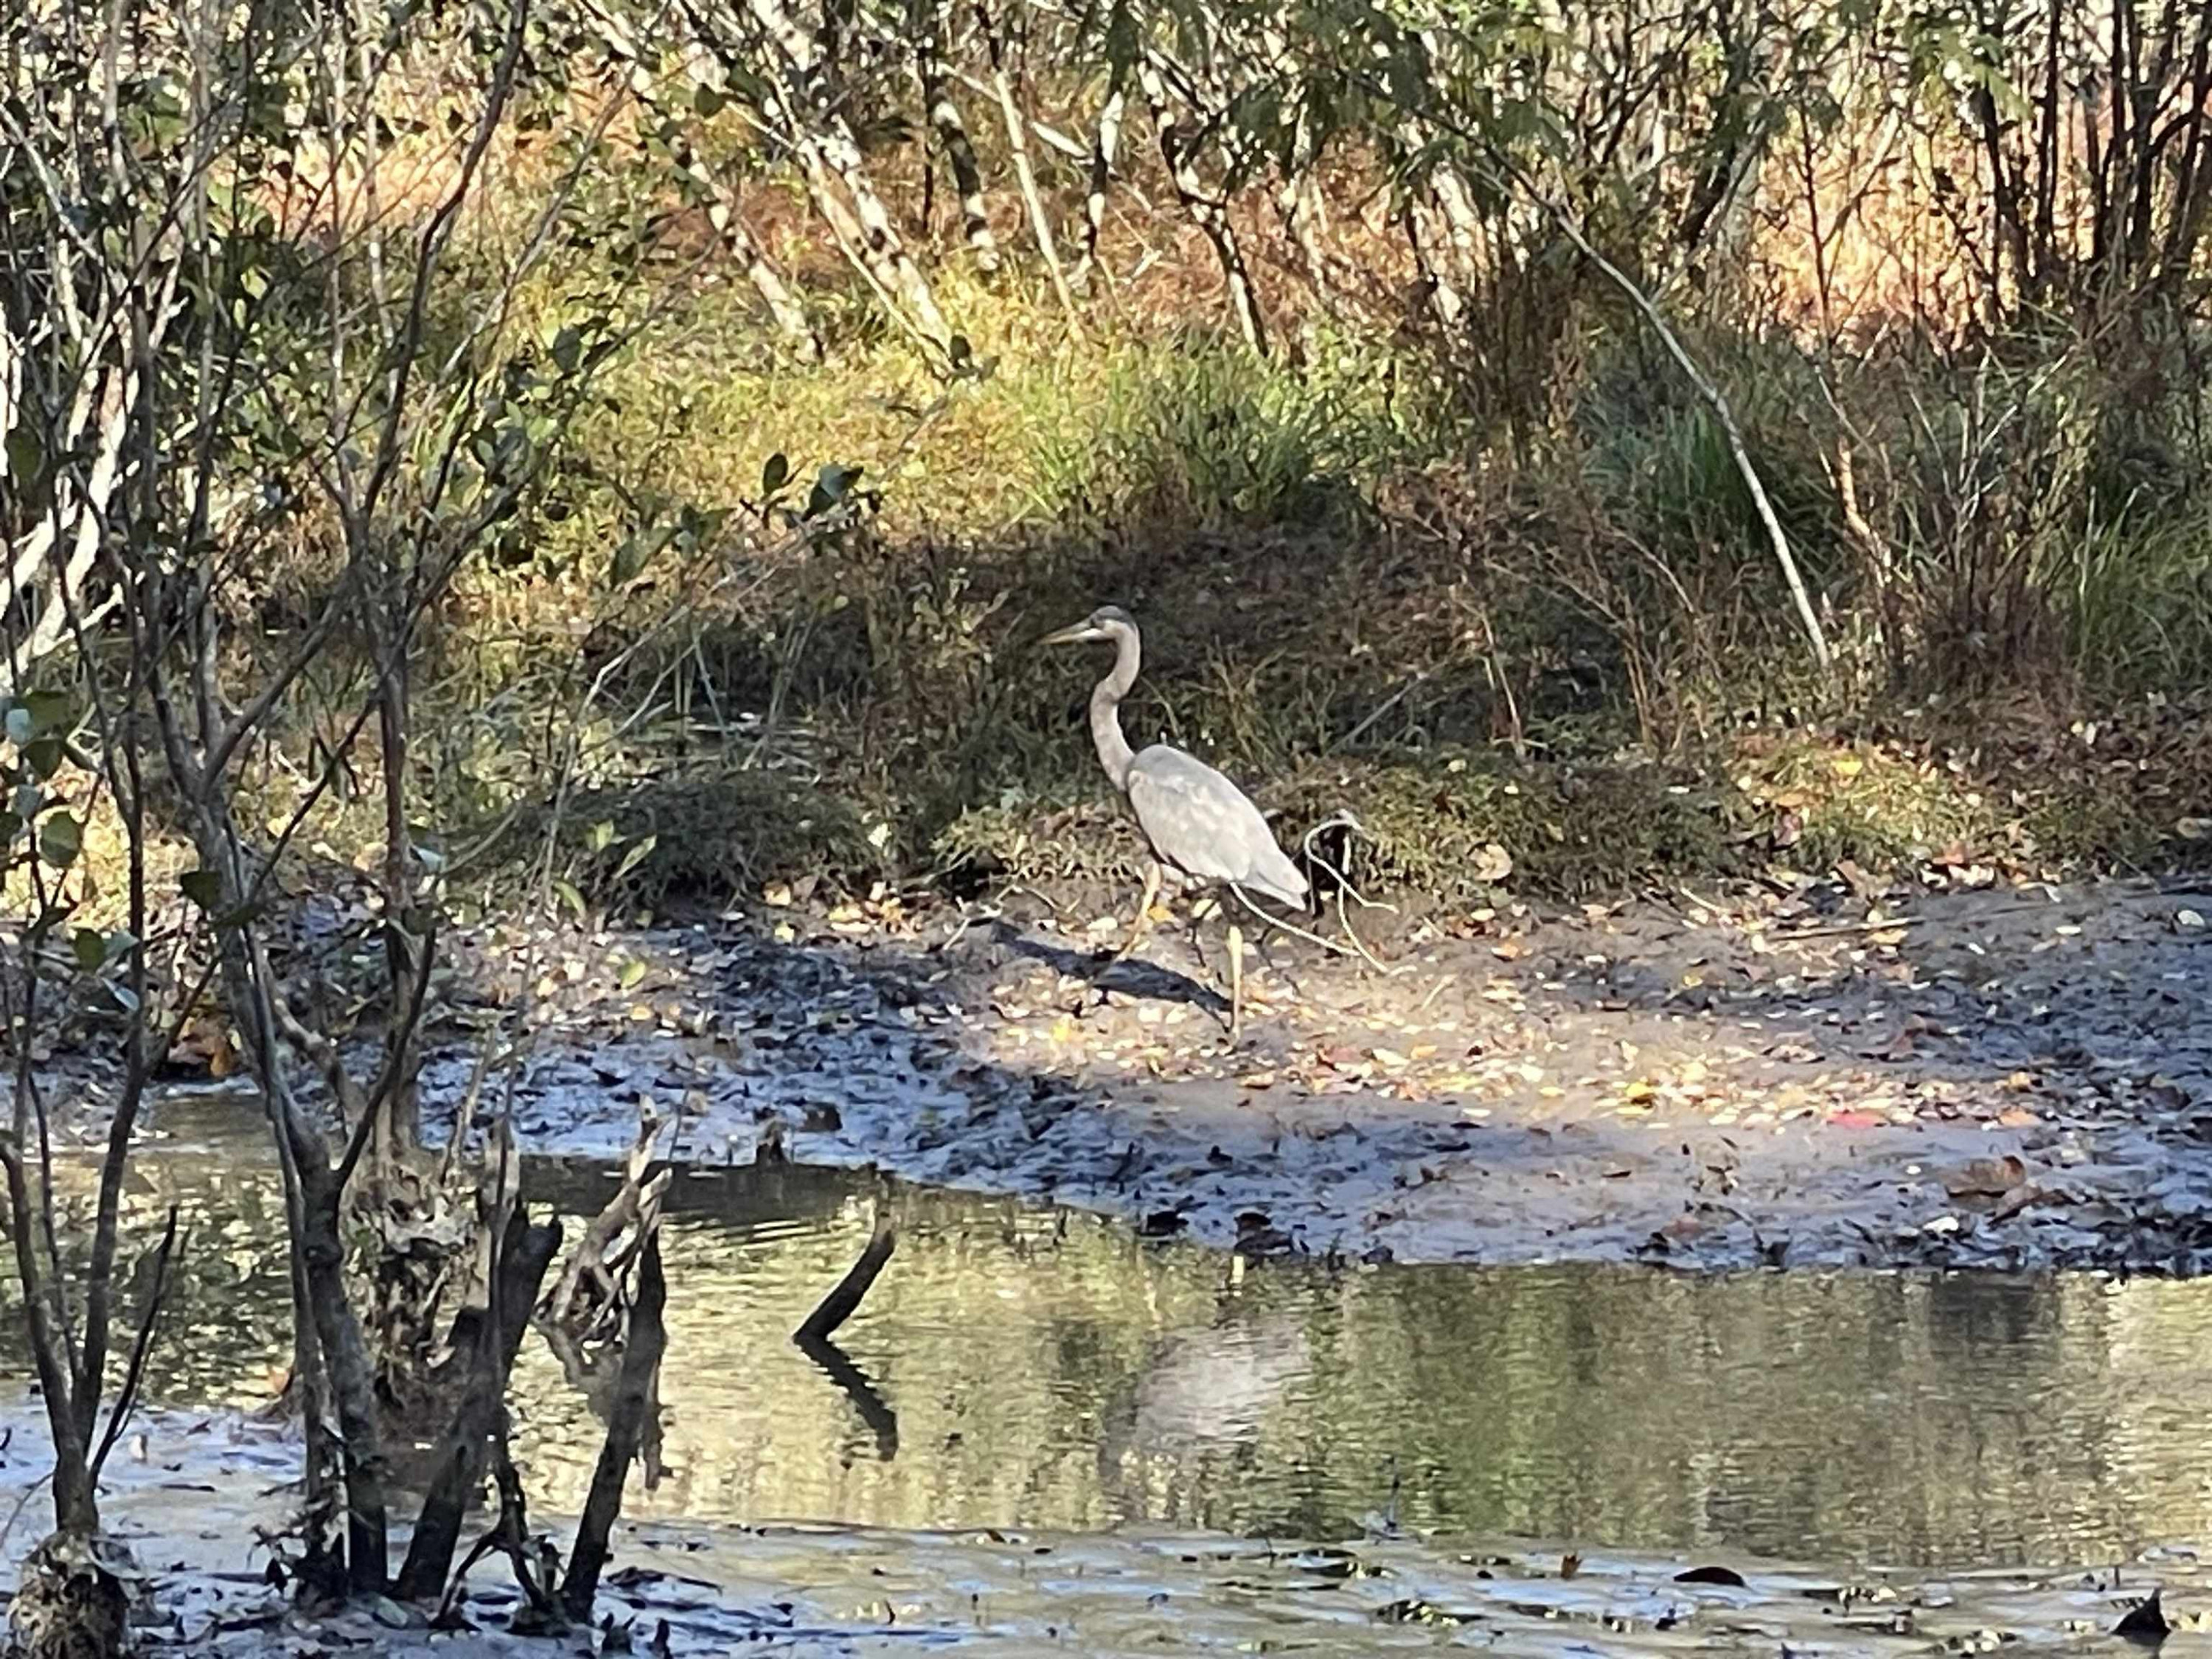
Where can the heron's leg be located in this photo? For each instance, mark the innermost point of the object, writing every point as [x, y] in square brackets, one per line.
[1143, 924]
[1198, 914]
[1236, 979]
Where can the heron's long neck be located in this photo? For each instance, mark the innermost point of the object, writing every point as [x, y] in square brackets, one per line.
[1114, 751]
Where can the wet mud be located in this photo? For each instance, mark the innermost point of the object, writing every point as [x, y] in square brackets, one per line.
[2017, 1079]
[190, 1500]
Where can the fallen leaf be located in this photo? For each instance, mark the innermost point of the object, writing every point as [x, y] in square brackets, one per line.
[1986, 1178]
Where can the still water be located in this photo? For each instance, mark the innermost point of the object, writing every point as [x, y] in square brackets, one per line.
[1017, 1368]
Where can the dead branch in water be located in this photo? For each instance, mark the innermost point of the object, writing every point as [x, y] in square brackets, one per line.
[634, 1211]
[525, 1251]
[510, 1535]
[838, 1306]
[634, 1403]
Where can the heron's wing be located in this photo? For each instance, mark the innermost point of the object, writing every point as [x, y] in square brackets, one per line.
[1204, 825]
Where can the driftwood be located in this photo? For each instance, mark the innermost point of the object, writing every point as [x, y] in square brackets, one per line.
[635, 1210]
[626, 1426]
[838, 1306]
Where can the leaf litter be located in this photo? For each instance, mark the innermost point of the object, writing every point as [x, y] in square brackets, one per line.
[1762, 1079]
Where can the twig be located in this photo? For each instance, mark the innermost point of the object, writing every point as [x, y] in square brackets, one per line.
[1381, 709]
[126, 1397]
[1844, 929]
[16, 1514]
[1039, 220]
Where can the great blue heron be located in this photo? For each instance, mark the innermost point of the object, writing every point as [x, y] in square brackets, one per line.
[1195, 821]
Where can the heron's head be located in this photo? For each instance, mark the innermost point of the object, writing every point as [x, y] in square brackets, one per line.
[1107, 622]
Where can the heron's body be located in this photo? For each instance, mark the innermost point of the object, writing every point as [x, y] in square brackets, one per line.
[1202, 825]
[1195, 821]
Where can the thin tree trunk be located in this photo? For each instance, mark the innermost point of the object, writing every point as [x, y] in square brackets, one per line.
[345, 1357]
[312, 1205]
[827, 149]
[927, 19]
[1208, 213]
[1105, 144]
[398, 1133]
[783, 307]
[1039, 220]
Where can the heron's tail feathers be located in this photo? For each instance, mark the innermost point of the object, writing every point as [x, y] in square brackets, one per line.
[1277, 879]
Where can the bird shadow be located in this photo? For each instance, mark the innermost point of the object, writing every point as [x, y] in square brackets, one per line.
[1132, 977]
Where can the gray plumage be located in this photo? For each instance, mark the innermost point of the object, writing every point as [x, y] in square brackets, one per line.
[1198, 823]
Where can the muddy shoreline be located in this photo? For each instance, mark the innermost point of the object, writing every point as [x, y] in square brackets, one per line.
[795, 1587]
[2017, 1079]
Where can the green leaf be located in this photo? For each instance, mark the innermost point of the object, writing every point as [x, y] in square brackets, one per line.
[775, 474]
[831, 486]
[44, 756]
[61, 838]
[50, 710]
[566, 890]
[632, 556]
[632, 972]
[27, 456]
[638, 852]
[89, 946]
[602, 836]
[567, 350]
[203, 887]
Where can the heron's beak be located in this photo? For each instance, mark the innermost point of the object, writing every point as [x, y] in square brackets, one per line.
[1081, 634]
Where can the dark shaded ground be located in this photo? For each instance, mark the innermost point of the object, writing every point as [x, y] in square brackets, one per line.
[2009, 1078]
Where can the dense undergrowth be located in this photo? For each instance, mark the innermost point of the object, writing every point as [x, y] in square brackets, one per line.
[1496, 587]
[1353, 599]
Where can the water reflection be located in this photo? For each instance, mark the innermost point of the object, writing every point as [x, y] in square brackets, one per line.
[1015, 1367]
